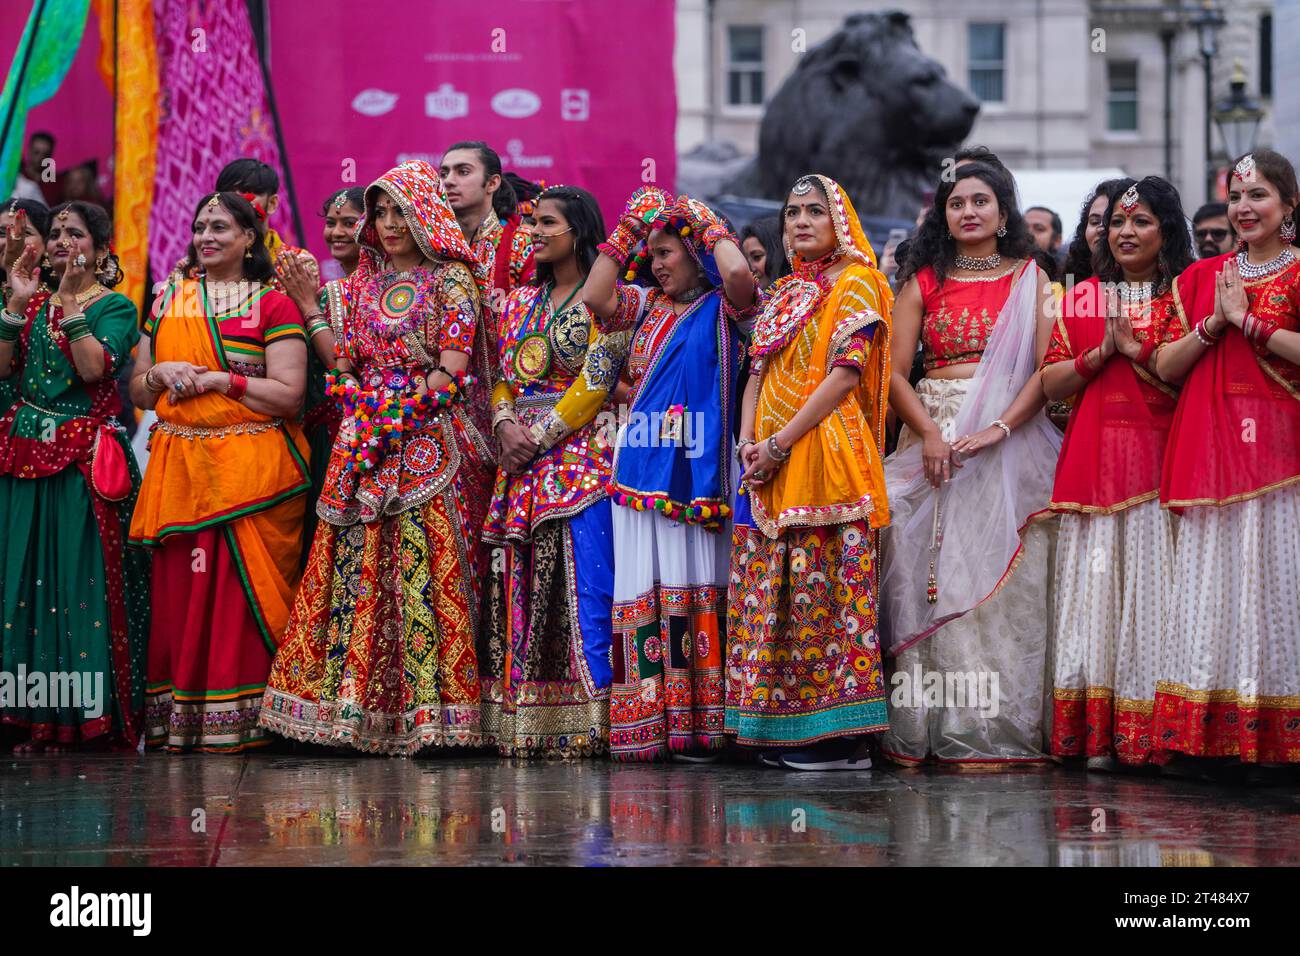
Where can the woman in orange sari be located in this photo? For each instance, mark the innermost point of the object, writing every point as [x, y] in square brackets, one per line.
[804, 668]
[1229, 682]
[223, 361]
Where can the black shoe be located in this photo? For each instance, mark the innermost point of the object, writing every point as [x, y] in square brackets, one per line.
[841, 753]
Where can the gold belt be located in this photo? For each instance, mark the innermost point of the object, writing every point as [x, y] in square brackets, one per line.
[217, 431]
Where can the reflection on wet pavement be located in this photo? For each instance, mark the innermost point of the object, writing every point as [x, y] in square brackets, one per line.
[296, 810]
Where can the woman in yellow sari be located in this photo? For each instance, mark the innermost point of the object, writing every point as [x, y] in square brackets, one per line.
[223, 360]
[804, 678]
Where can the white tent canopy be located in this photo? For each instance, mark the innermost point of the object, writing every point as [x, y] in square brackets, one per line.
[1061, 190]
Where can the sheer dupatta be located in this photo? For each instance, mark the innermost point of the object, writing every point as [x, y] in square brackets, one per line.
[971, 526]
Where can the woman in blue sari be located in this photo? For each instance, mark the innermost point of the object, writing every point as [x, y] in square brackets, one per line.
[688, 289]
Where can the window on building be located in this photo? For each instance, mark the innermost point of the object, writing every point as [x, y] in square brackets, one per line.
[744, 66]
[1122, 96]
[986, 48]
[1266, 55]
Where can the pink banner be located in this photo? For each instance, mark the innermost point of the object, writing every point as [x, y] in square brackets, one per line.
[214, 109]
[567, 91]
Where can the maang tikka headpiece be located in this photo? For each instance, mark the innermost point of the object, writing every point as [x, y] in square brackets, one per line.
[802, 187]
[1130, 198]
[1245, 169]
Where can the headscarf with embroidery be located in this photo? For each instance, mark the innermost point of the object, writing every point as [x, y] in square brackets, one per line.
[417, 190]
[793, 298]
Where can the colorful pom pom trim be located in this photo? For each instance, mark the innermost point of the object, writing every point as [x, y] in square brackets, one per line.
[381, 420]
[707, 512]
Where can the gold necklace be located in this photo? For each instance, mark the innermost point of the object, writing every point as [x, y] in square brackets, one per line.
[81, 298]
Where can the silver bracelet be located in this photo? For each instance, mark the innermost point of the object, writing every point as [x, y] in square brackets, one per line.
[1006, 429]
[774, 450]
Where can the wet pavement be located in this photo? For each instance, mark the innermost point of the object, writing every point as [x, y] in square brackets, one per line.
[156, 810]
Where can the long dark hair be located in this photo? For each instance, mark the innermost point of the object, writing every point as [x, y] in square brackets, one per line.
[1078, 257]
[767, 230]
[100, 226]
[933, 245]
[1176, 252]
[259, 267]
[504, 203]
[583, 214]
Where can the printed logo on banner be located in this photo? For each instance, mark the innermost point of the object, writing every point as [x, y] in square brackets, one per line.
[575, 105]
[374, 102]
[515, 156]
[446, 103]
[516, 104]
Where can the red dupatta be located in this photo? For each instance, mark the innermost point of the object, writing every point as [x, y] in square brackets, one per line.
[1115, 442]
[1236, 433]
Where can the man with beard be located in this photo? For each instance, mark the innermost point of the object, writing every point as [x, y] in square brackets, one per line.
[1213, 233]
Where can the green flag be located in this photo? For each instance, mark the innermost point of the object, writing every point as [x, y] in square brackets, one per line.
[39, 65]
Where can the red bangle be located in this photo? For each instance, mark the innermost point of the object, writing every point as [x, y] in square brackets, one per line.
[1144, 354]
[238, 386]
[1258, 330]
[1084, 370]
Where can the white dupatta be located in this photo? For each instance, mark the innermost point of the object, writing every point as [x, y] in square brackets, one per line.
[987, 503]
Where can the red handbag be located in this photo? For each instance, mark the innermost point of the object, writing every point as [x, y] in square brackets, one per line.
[109, 476]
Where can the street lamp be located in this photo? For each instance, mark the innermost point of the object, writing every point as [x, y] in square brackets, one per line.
[1238, 116]
[1208, 21]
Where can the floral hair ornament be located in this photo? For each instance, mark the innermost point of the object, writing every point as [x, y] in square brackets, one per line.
[1128, 202]
[257, 206]
[1245, 169]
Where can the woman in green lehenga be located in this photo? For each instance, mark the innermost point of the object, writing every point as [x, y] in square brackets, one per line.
[73, 599]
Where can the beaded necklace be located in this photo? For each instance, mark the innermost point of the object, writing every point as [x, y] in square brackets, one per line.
[1250, 270]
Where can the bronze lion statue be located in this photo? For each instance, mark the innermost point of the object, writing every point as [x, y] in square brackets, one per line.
[867, 108]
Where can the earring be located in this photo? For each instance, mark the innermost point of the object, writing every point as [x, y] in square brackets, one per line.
[45, 261]
[1002, 232]
[248, 252]
[1288, 230]
[99, 264]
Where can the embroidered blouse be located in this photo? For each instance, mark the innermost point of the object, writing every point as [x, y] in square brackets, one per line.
[393, 330]
[959, 315]
[556, 373]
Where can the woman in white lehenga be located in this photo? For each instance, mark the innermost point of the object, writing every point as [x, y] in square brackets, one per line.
[1230, 666]
[671, 483]
[1114, 560]
[964, 587]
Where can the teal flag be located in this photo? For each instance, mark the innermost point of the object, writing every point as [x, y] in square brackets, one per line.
[39, 65]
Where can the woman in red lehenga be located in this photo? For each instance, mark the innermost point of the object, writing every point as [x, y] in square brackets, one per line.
[379, 652]
[1230, 667]
[1115, 554]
